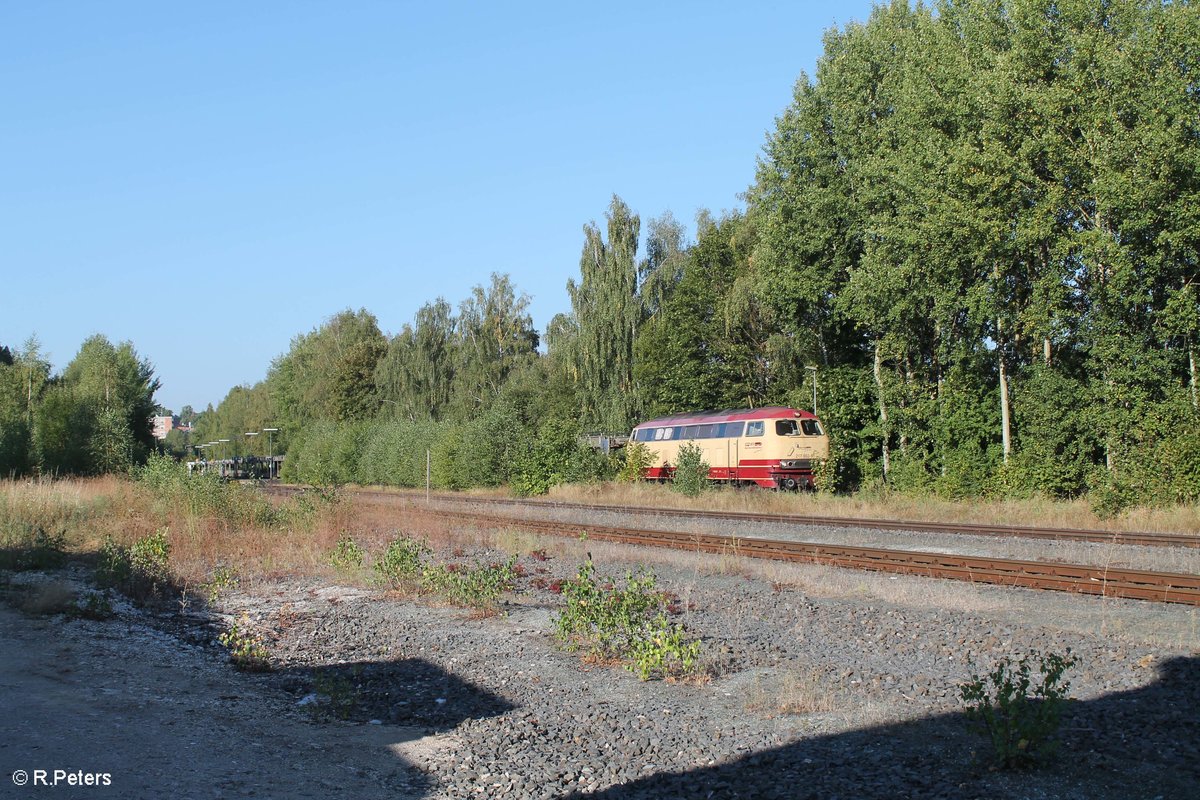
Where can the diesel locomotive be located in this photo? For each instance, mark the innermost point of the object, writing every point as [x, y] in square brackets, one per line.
[773, 447]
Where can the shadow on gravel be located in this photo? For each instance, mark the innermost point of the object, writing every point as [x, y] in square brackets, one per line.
[1138, 744]
[409, 691]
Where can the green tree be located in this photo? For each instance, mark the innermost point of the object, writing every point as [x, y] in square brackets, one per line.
[608, 312]
[495, 336]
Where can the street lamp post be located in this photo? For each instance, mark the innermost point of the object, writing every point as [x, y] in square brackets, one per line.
[813, 370]
[271, 451]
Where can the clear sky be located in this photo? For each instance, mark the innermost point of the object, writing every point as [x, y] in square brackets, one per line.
[209, 180]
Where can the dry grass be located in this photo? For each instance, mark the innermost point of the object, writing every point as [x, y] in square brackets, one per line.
[794, 691]
[1036, 512]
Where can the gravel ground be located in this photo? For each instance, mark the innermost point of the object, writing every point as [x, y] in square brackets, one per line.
[822, 684]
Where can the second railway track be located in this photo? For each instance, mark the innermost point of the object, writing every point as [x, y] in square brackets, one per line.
[1131, 538]
[1120, 582]
[1168, 587]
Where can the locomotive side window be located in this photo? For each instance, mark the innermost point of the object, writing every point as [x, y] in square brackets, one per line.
[732, 429]
[811, 427]
[754, 428]
[691, 432]
[658, 434]
[706, 432]
[645, 435]
[785, 427]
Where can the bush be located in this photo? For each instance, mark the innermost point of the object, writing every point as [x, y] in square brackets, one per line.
[638, 459]
[247, 650]
[624, 624]
[140, 571]
[691, 471]
[553, 456]
[1018, 712]
[402, 561]
[347, 555]
[478, 586]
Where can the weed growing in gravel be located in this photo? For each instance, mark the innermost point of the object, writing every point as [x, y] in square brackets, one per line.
[347, 554]
[247, 650]
[624, 624]
[222, 578]
[95, 605]
[338, 691]
[140, 570]
[478, 586]
[1019, 712]
[402, 561]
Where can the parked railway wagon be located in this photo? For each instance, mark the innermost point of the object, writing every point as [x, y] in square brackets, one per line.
[774, 447]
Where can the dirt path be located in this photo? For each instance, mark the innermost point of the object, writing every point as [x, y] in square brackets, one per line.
[166, 719]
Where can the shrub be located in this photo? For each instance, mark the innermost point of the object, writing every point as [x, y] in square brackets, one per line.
[223, 578]
[1019, 712]
[624, 624]
[347, 554]
[141, 570]
[478, 586]
[402, 561]
[691, 471]
[638, 459]
[95, 605]
[246, 648]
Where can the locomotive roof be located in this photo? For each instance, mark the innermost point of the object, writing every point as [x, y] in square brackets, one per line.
[727, 415]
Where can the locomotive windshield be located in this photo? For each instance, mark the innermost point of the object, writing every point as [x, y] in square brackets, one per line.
[786, 427]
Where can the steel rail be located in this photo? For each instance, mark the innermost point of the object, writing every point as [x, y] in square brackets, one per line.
[1138, 538]
[1168, 587]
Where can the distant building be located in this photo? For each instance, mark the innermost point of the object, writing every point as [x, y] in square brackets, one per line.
[163, 426]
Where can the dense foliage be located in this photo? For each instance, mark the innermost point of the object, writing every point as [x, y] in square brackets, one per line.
[94, 418]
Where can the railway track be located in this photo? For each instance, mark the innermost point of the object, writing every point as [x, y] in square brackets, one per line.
[1165, 587]
[1142, 539]
[1168, 587]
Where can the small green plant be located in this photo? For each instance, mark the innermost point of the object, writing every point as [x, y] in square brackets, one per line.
[402, 561]
[663, 649]
[691, 471]
[477, 586]
[246, 648]
[95, 605]
[347, 554]
[340, 690]
[1018, 711]
[614, 623]
[638, 459]
[223, 578]
[141, 570]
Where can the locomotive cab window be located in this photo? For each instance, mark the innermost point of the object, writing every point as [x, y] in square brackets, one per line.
[810, 427]
[786, 427]
[754, 428]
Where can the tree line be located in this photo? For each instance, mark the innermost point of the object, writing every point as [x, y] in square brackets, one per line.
[974, 230]
[93, 418]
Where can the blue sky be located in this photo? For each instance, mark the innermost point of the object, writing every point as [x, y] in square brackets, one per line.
[210, 181]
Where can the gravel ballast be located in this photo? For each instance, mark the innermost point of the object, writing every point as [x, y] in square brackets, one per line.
[818, 684]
